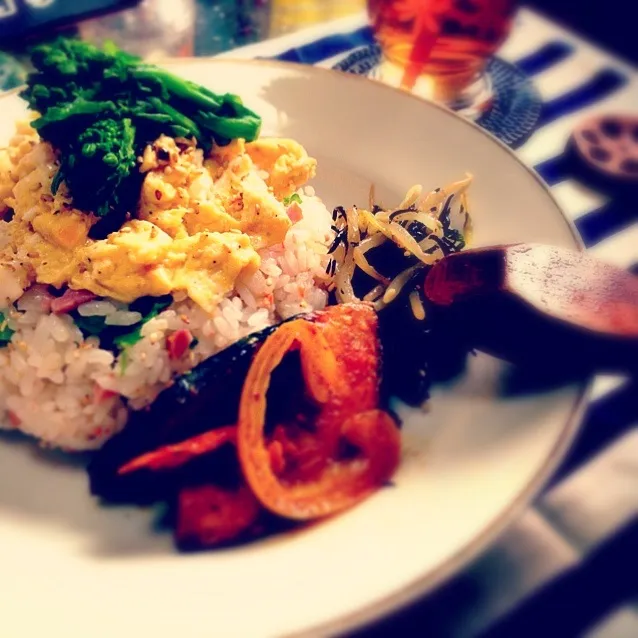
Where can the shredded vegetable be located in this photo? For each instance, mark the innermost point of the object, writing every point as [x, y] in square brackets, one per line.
[423, 229]
[417, 306]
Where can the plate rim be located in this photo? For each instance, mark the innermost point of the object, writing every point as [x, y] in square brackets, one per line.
[417, 589]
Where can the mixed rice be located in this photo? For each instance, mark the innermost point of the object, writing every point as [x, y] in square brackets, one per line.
[56, 382]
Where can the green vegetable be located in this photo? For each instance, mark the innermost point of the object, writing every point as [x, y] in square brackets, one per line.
[90, 326]
[293, 198]
[101, 107]
[131, 338]
[5, 332]
[113, 337]
[123, 361]
[125, 341]
[98, 167]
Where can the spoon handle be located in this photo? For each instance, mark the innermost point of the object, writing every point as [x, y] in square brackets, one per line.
[537, 304]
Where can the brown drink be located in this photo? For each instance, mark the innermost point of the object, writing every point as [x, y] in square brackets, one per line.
[440, 47]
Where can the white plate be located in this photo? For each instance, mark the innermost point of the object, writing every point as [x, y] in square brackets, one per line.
[72, 567]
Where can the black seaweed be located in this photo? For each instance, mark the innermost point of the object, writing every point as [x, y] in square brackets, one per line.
[204, 398]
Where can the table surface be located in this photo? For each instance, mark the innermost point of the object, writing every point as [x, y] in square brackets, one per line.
[562, 568]
[608, 23]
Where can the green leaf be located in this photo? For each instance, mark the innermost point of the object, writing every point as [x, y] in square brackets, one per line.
[57, 181]
[90, 326]
[123, 361]
[131, 338]
[293, 198]
[5, 332]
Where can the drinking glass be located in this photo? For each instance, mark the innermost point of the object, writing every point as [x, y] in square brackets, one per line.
[440, 48]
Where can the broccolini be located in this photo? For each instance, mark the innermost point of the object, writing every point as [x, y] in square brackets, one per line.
[100, 107]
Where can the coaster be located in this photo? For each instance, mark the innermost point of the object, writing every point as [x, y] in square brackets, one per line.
[517, 103]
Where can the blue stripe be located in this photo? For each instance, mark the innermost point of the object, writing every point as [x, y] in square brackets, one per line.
[608, 418]
[546, 57]
[332, 45]
[602, 85]
[324, 48]
[580, 597]
[605, 221]
[554, 170]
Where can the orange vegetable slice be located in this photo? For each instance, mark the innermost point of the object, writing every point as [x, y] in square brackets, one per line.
[177, 454]
[209, 515]
[339, 358]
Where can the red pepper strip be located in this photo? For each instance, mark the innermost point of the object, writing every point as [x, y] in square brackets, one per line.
[101, 394]
[14, 419]
[296, 454]
[277, 458]
[208, 515]
[294, 212]
[171, 456]
[350, 331]
[178, 343]
[342, 483]
[318, 364]
[375, 433]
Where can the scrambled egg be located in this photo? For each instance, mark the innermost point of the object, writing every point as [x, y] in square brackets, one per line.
[198, 228]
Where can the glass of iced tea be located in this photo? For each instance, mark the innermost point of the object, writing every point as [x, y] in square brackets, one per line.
[440, 48]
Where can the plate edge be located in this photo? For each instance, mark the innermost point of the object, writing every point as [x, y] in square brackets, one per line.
[384, 607]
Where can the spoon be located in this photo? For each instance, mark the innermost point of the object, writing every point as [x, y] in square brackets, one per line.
[536, 304]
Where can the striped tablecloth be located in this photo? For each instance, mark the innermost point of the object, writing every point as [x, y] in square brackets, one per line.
[568, 566]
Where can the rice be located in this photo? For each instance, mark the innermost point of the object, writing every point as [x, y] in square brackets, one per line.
[123, 318]
[61, 387]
